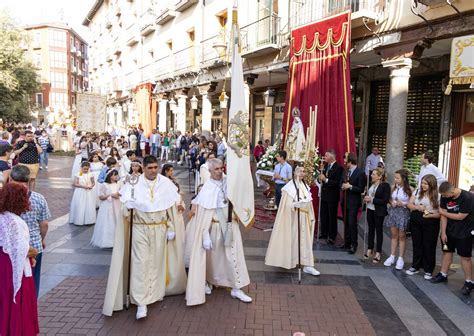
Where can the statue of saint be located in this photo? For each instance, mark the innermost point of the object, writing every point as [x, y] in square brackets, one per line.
[295, 141]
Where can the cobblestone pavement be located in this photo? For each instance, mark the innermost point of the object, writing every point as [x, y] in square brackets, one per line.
[351, 297]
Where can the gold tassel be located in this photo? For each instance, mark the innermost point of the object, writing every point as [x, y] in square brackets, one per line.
[449, 87]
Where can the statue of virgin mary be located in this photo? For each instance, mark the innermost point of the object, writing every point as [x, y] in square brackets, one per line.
[295, 141]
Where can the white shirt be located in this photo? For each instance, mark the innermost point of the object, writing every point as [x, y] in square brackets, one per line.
[433, 170]
[154, 138]
[399, 195]
[372, 162]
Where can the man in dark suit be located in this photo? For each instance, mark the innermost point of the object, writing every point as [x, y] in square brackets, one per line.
[353, 186]
[330, 193]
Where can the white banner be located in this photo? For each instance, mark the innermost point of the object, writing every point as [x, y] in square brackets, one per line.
[91, 112]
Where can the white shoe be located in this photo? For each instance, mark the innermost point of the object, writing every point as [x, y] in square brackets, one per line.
[390, 261]
[141, 312]
[400, 264]
[208, 289]
[239, 294]
[428, 276]
[311, 270]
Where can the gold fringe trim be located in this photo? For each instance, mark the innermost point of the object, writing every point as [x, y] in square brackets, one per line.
[458, 81]
[317, 43]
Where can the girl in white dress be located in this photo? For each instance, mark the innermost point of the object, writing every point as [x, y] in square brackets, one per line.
[109, 213]
[96, 167]
[83, 201]
[135, 169]
[76, 166]
[115, 154]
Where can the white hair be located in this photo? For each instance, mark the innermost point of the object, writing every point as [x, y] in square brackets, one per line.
[212, 163]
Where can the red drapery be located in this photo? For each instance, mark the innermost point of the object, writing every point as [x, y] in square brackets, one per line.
[320, 75]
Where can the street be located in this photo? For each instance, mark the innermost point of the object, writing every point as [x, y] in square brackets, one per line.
[351, 297]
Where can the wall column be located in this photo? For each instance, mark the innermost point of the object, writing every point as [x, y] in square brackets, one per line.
[397, 113]
[162, 103]
[181, 114]
[206, 113]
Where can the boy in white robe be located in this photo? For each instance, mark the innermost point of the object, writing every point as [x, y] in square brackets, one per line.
[283, 247]
[157, 263]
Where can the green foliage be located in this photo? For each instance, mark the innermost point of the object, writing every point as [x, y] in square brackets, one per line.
[413, 164]
[18, 77]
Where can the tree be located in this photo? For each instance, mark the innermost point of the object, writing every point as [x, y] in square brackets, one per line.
[18, 77]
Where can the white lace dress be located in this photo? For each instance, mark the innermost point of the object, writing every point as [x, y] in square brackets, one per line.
[107, 218]
[83, 202]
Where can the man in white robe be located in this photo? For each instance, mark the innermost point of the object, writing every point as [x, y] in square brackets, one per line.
[283, 247]
[157, 263]
[217, 254]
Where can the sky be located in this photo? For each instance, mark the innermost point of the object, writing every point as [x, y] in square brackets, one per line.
[27, 12]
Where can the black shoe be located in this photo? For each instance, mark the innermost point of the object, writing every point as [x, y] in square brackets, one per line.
[330, 241]
[344, 246]
[466, 289]
[353, 250]
[439, 278]
[321, 236]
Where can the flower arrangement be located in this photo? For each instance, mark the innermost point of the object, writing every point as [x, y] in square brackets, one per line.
[312, 166]
[267, 161]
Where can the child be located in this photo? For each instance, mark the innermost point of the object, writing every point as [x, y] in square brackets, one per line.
[96, 167]
[109, 164]
[115, 154]
[109, 214]
[135, 169]
[126, 162]
[84, 199]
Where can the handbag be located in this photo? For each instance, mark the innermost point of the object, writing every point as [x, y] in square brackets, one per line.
[50, 148]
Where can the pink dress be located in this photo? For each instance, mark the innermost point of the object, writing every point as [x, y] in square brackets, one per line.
[19, 314]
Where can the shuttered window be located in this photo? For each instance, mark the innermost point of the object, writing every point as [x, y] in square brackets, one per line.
[424, 108]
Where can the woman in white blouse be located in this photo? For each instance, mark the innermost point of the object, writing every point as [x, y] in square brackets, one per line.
[424, 221]
[398, 217]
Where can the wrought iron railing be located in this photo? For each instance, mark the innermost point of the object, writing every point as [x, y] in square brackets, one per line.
[304, 12]
[260, 33]
[210, 54]
[185, 59]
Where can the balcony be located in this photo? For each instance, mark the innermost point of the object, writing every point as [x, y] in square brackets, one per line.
[166, 15]
[147, 74]
[117, 48]
[307, 12]
[109, 55]
[79, 54]
[132, 79]
[108, 22]
[147, 24]
[182, 5]
[185, 60]
[117, 84]
[209, 55]
[73, 49]
[261, 37]
[164, 67]
[132, 36]
[73, 69]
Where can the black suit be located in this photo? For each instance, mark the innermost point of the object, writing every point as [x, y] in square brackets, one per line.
[351, 203]
[330, 193]
[376, 217]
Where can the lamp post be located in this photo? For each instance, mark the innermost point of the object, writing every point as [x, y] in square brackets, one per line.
[269, 97]
[172, 103]
[194, 102]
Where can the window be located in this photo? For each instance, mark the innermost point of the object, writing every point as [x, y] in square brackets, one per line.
[72, 62]
[72, 82]
[58, 99]
[58, 80]
[57, 38]
[58, 59]
[39, 99]
[37, 60]
[37, 40]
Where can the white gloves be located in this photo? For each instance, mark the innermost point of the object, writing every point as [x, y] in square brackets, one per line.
[171, 235]
[207, 244]
[298, 205]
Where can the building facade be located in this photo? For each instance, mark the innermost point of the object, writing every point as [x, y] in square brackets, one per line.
[61, 57]
[399, 66]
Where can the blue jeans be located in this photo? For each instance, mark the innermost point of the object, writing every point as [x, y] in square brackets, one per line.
[44, 159]
[154, 150]
[37, 272]
[278, 188]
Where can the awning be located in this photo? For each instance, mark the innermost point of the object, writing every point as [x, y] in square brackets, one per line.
[461, 70]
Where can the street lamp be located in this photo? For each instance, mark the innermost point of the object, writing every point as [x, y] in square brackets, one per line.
[269, 97]
[194, 102]
[223, 99]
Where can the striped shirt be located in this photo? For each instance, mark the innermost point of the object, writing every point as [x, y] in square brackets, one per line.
[43, 142]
